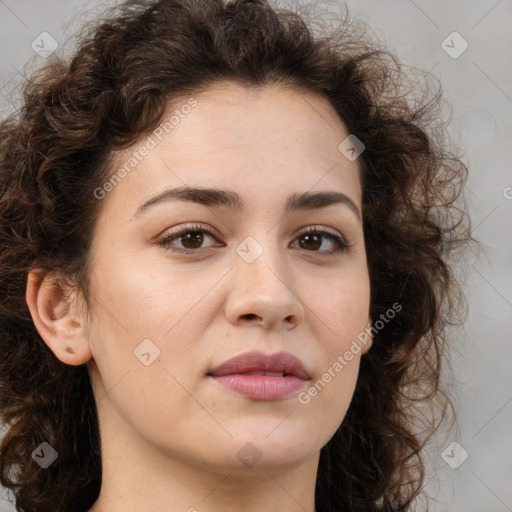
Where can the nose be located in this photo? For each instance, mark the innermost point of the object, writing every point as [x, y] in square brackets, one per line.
[262, 294]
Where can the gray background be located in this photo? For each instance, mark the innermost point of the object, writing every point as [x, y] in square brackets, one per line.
[478, 85]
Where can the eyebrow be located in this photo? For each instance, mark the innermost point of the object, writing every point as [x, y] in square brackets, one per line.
[213, 197]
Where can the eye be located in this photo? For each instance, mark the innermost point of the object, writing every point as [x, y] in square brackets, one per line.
[312, 239]
[191, 239]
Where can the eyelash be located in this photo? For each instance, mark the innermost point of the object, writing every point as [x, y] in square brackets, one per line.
[341, 245]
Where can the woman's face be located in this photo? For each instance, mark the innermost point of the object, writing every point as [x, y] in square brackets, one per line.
[167, 314]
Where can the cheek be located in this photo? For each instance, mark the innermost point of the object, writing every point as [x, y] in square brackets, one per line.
[326, 401]
[149, 296]
[148, 313]
[156, 405]
[341, 316]
[341, 308]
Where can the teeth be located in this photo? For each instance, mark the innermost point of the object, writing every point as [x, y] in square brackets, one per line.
[274, 374]
[268, 374]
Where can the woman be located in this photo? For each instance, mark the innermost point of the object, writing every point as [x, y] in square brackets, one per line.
[226, 269]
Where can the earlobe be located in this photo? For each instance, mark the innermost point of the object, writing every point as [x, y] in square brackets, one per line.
[56, 318]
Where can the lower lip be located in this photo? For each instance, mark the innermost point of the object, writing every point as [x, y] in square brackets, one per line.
[261, 387]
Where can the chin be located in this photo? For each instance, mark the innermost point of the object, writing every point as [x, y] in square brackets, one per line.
[251, 450]
[286, 445]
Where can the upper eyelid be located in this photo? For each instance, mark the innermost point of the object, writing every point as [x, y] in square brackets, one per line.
[338, 237]
[213, 232]
[190, 227]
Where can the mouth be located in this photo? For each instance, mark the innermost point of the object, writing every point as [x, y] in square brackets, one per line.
[262, 377]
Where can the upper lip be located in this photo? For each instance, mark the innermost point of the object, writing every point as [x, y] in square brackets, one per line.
[258, 361]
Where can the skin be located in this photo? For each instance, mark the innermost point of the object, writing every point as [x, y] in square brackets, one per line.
[170, 436]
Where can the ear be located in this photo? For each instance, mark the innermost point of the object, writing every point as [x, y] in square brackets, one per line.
[55, 314]
[368, 339]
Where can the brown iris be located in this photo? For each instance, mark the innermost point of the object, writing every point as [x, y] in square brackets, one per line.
[194, 237]
[309, 238]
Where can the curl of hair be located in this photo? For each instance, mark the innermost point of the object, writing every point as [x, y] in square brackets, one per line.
[126, 71]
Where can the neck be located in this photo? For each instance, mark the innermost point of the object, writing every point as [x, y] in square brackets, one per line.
[137, 476]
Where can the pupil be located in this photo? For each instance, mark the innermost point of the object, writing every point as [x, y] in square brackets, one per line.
[309, 238]
[195, 237]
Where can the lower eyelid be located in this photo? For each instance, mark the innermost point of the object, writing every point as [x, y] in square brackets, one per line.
[166, 239]
[340, 245]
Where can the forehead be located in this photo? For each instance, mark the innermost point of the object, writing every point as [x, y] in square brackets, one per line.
[270, 140]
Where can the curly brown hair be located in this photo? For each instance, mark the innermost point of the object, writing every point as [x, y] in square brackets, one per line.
[126, 70]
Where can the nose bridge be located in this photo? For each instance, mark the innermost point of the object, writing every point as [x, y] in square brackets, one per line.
[262, 283]
[261, 260]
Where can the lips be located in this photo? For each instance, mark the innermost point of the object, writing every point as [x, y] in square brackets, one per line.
[258, 363]
[261, 377]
